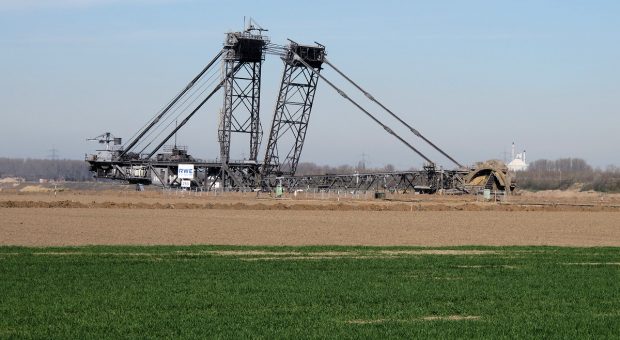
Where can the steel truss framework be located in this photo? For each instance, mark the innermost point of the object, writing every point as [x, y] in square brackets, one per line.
[208, 177]
[240, 112]
[242, 63]
[426, 181]
[292, 112]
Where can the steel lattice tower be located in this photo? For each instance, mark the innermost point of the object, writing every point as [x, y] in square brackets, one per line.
[242, 62]
[292, 112]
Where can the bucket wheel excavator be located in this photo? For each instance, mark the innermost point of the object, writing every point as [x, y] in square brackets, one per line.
[149, 158]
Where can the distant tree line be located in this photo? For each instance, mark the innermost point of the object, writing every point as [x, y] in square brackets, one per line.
[35, 169]
[75, 170]
[565, 173]
[542, 174]
[308, 168]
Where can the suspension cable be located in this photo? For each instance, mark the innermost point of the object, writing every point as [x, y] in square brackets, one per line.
[171, 117]
[189, 86]
[344, 95]
[221, 83]
[413, 130]
[206, 86]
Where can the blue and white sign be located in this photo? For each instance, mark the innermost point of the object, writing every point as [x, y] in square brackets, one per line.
[186, 171]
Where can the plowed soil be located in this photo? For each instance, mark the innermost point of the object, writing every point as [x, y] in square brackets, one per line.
[123, 217]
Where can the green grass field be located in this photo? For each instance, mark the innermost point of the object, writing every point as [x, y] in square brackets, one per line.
[317, 292]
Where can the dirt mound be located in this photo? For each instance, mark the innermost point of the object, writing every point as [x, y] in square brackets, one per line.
[35, 188]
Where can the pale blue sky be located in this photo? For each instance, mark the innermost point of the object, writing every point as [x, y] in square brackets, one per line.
[471, 75]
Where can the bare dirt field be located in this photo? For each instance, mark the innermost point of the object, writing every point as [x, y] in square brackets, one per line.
[114, 217]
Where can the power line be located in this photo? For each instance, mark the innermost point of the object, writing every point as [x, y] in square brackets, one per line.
[53, 154]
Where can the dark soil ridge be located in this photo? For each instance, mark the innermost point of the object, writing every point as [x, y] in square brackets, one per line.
[333, 206]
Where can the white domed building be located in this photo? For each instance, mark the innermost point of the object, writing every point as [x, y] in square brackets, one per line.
[518, 161]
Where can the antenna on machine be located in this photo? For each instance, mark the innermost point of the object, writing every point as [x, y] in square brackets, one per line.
[176, 125]
[106, 138]
[252, 25]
